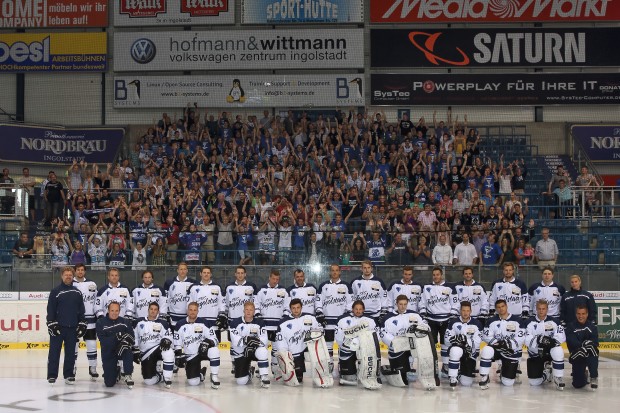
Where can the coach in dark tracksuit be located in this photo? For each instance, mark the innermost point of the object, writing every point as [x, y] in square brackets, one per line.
[109, 330]
[65, 324]
[582, 343]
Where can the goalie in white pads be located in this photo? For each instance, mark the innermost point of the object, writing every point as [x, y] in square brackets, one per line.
[358, 343]
[154, 340]
[544, 340]
[464, 334]
[394, 335]
[505, 337]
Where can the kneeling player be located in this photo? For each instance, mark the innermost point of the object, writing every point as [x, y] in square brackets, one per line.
[117, 342]
[248, 341]
[154, 340]
[357, 340]
[504, 336]
[582, 342]
[397, 324]
[464, 335]
[193, 343]
[544, 340]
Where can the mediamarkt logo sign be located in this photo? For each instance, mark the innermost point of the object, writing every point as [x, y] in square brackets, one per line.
[433, 11]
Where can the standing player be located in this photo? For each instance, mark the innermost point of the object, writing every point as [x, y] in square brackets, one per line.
[405, 287]
[435, 307]
[116, 292]
[372, 292]
[511, 290]
[210, 300]
[464, 335]
[66, 324]
[304, 291]
[574, 298]
[154, 340]
[504, 336]
[544, 338]
[472, 292]
[270, 304]
[148, 293]
[248, 342]
[177, 296]
[582, 342]
[396, 325]
[547, 290]
[194, 342]
[88, 289]
[333, 300]
[117, 340]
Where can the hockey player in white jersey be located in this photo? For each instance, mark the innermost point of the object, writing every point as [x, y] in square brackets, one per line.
[248, 342]
[407, 287]
[194, 342]
[154, 340]
[148, 293]
[88, 289]
[436, 308]
[472, 292]
[512, 290]
[504, 336]
[372, 291]
[464, 335]
[356, 347]
[547, 290]
[270, 302]
[114, 291]
[210, 299]
[290, 339]
[177, 294]
[544, 338]
[397, 324]
[304, 291]
[333, 300]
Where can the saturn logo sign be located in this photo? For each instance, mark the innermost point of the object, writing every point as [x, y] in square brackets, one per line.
[428, 48]
[143, 51]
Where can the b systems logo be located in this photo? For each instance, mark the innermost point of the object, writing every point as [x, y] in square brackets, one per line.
[428, 48]
[143, 51]
[142, 8]
[199, 8]
[349, 91]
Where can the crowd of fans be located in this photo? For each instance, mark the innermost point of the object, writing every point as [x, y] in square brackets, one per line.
[336, 187]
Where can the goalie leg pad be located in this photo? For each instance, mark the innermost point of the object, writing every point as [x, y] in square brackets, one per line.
[285, 370]
[393, 377]
[369, 356]
[320, 362]
[424, 352]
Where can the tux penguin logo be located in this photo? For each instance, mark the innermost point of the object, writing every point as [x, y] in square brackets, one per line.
[236, 93]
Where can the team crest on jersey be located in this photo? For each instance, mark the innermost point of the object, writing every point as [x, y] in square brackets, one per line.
[349, 322]
[359, 285]
[198, 329]
[281, 294]
[395, 321]
[141, 326]
[460, 291]
[289, 326]
[428, 289]
[516, 291]
[230, 291]
[138, 293]
[511, 327]
[248, 292]
[92, 288]
[397, 289]
[215, 291]
[156, 328]
[294, 294]
[538, 291]
[459, 327]
[307, 321]
[500, 287]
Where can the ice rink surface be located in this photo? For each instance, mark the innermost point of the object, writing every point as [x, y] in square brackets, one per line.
[23, 388]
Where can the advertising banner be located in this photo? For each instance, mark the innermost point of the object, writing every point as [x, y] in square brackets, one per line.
[239, 50]
[23, 322]
[173, 12]
[239, 91]
[28, 14]
[492, 11]
[495, 89]
[53, 52]
[600, 142]
[302, 11]
[494, 47]
[40, 144]
[608, 320]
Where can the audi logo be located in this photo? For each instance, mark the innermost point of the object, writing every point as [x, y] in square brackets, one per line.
[143, 51]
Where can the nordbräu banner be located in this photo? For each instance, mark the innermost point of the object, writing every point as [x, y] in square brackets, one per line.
[600, 142]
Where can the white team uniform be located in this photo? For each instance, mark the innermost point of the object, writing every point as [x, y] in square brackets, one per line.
[271, 303]
[396, 325]
[188, 337]
[177, 297]
[551, 328]
[472, 331]
[333, 299]
[511, 331]
[513, 292]
[552, 293]
[346, 328]
[149, 334]
[306, 293]
[88, 289]
[412, 291]
[475, 294]
[236, 296]
[292, 332]
[144, 296]
[239, 330]
[373, 293]
[210, 301]
[108, 294]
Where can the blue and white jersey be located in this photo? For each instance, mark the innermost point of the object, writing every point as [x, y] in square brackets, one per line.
[144, 296]
[508, 329]
[271, 304]
[550, 327]
[210, 301]
[412, 290]
[396, 325]
[97, 256]
[306, 293]
[471, 329]
[88, 289]
[108, 294]
[236, 295]
[240, 329]
[376, 249]
[475, 294]
[513, 292]
[149, 333]
[188, 336]
[372, 292]
[177, 296]
[333, 299]
[552, 293]
[435, 303]
[293, 331]
[348, 328]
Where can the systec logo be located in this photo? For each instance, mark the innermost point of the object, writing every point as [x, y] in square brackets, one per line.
[143, 51]
[429, 48]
